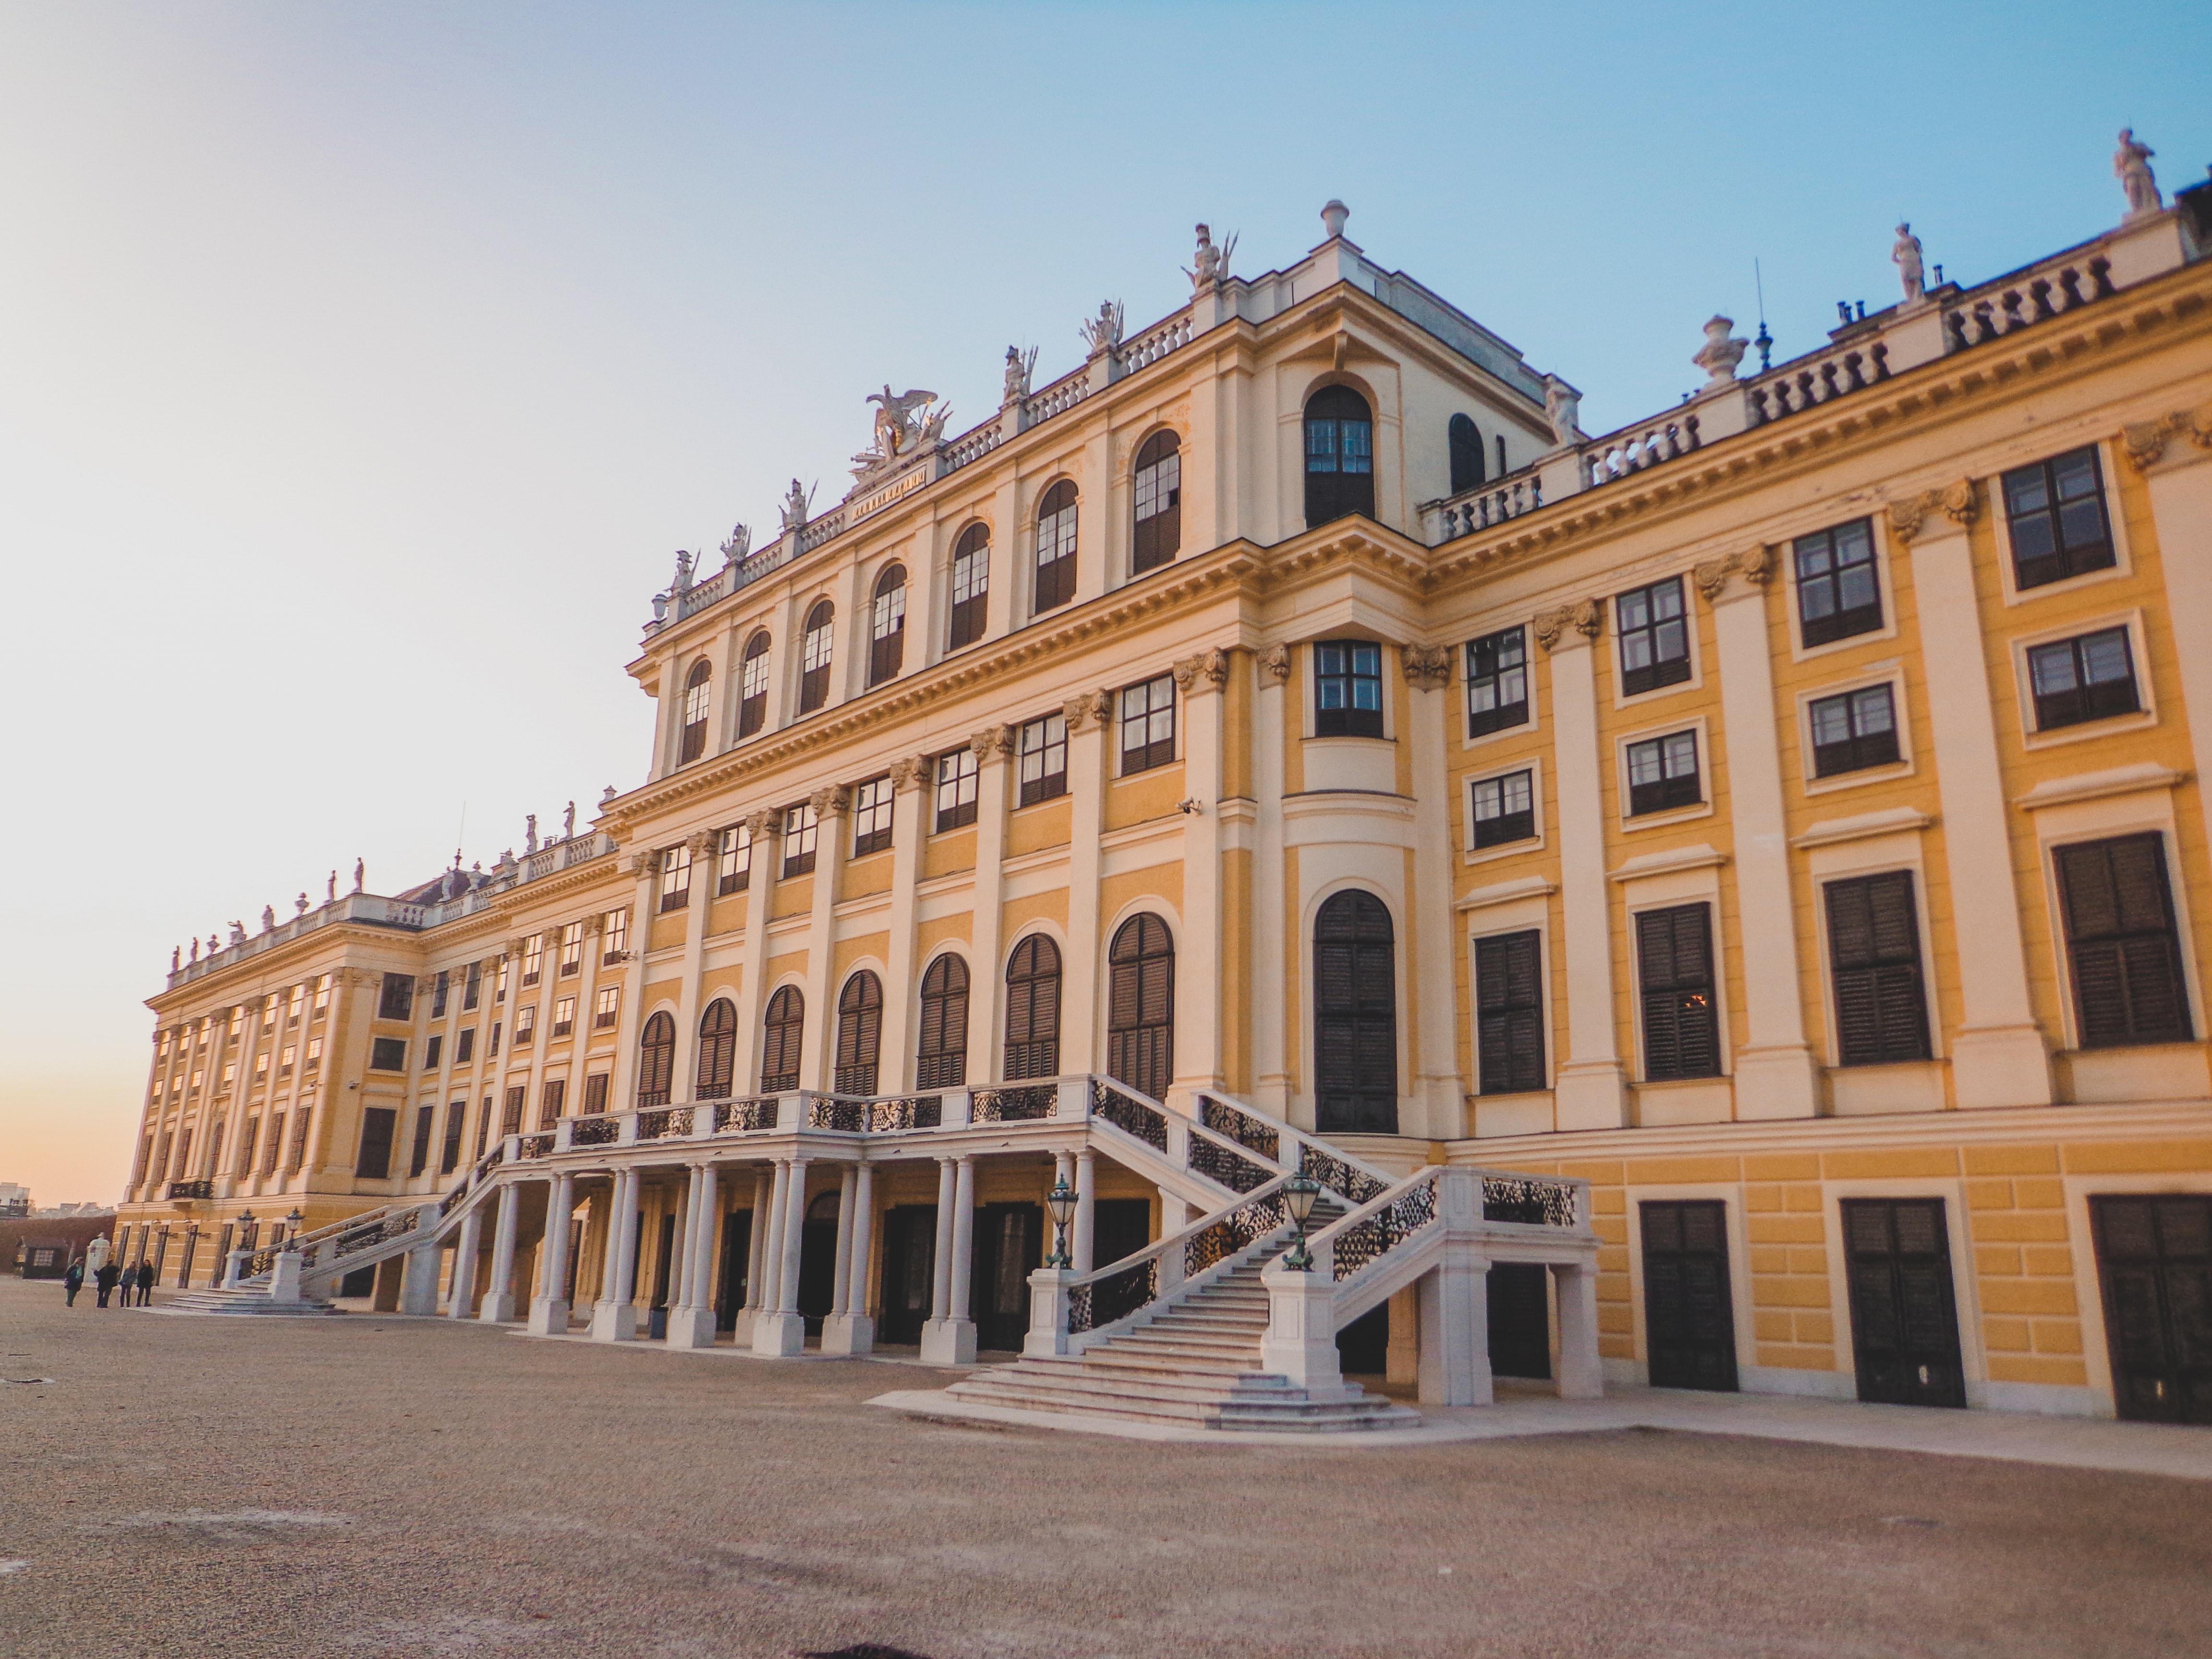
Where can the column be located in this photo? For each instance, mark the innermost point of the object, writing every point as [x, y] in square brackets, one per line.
[615, 1318]
[548, 1309]
[1088, 718]
[941, 1261]
[768, 1230]
[704, 847]
[461, 1293]
[848, 1313]
[2180, 487]
[692, 1326]
[499, 1301]
[912, 777]
[841, 1272]
[830, 833]
[1083, 1245]
[1198, 681]
[987, 969]
[549, 971]
[763, 1188]
[621, 1085]
[1271, 1076]
[779, 1329]
[752, 988]
[1997, 1055]
[1431, 928]
[1580, 1375]
[680, 1247]
[950, 1340]
[1592, 1091]
[1775, 1075]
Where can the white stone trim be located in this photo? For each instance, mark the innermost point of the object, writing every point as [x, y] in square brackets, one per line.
[1885, 562]
[1632, 824]
[1472, 855]
[1891, 673]
[1894, 820]
[2032, 736]
[2042, 447]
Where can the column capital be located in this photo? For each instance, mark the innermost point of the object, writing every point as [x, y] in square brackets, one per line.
[1956, 501]
[911, 770]
[1079, 711]
[1426, 667]
[2143, 442]
[1754, 565]
[830, 801]
[1276, 661]
[703, 842]
[1570, 624]
[991, 742]
[1204, 670]
[761, 822]
[643, 865]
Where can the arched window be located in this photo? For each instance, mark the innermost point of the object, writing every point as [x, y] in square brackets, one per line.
[786, 1026]
[717, 1049]
[752, 685]
[814, 658]
[1339, 455]
[1355, 1018]
[941, 1060]
[1055, 547]
[1465, 454]
[860, 1033]
[1033, 1009]
[1140, 1006]
[971, 582]
[1159, 502]
[696, 693]
[887, 626]
[656, 1059]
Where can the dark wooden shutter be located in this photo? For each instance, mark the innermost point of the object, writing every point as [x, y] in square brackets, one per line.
[1874, 954]
[786, 1026]
[941, 1059]
[1355, 1017]
[425, 1122]
[717, 1050]
[656, 1069]
[1689, 1320]
[860, 1033]
[1682, 1023]
[2154, 1256]
[2120, 935]
[1033, 1009]
[1905, 1324]
[378, 1125]
[1140, 1006]
[1509, 1013]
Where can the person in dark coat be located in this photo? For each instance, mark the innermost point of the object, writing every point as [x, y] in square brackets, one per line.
[145, 1284]
[73, 1280]
[103, 1281]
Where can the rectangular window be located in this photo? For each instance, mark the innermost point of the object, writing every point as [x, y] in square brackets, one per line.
[268, 1015]
[2121, 942]
[956, 789]
[1654, 637]
[426, 1123]
[261, 1066]
[676, 878]
[614, 938]
[551, 1098]
[595, 1093]
[564, 1016]
[525, 1025]
[323, 996]
[533, 959]
[872, 818]
[283, 1061]
[798, 832]
[484, 1126]
[510, 1117]
[1497, 682]
[457, 1119]
[2091, 677]
[2055, 510]
[1509, 1012]
[1852, 730]
[378, 1125]
[887, 634]
[1662, 774]
[1874, 956]
[315, 1052]
[1675, 973]
[384, 1055]
[1505, 808]
[1148, 724]
[1348, 688]
[299, 1000]
[491, 1050]
[1041, 751]
[433, 1050]
[499, 980]
[237, 1019]
[607, 1009]
[572, 949]
[1838, 589]
[733, 859]
[465, 1046]
[397, 1000]
[438, 994]
[473, 989]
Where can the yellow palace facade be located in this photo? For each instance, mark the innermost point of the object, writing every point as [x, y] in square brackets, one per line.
[1721, 903]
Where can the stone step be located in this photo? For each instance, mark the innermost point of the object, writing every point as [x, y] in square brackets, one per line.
[237, 1302]
[1280, 1408]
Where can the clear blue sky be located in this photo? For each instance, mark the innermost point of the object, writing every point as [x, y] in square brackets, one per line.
[360, 367]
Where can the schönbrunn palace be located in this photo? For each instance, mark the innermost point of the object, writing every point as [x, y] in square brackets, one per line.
[1722, 903]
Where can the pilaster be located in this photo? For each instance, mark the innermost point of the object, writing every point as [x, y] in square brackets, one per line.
[767, 829]
[830, 830]
[645, 866]
[684, 1084]
[1438, 1091]
[1089, 715]
[912, 778]
[987, 965]
[1199, 679]
[1270, 1051]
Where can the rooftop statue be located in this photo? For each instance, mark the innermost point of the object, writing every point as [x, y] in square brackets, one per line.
[238, 932]
[1019, 363]
[268, 917]
[2131, 167]
[1912, 275]
[1103, 332]
[796, 501]
[739, 544]
[360, 873]
[530, 833]
[568, 822]
[1210, 265]
[683, 571]
[1562, 409]
[901, 423]
[1718, 356]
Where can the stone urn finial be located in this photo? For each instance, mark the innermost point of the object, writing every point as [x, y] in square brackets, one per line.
[1332, 217]
[1720, 354]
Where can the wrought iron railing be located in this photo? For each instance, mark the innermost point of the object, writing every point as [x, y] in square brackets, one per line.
[745, 1116]
[1241, 1127]
[1531, 1200]
[839, 1113]
[1015, 1105]
[1242, 1228]
[1128, 1114]
[1383, 1226]
[191, 1189]
[667, 1120]
[1226, 1166]
[1351, 1185]
[531, 1148]
[594, 1132]
[907, 1112]
[391, 1226]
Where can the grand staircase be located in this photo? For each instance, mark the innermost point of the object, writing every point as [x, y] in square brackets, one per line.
[255, 1301]
[1196, 1363]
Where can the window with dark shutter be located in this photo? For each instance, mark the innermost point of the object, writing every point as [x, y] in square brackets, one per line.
[1838, 589]
[814, 658]
[1465, 442]
[1055, 547]
[1654, 637]
[1348, 688]
[1874, 957]
[1509, 1000]
[656, 1059]
[752, 686]
[1497, 682]
[1355, 1017]
[941, 1057]
[717, 1049]
[595, 1092]
[378, 1125]
[456, 1123]
[385, 1054]
[695, 695]
[1033, 1009]
[552, 1098]
[510, 1115]
[1340, 440]
[1853, 730]
[2121, 942]
[971, 585]
[860, 1033]
[2089, 678]
[786, 1026]
[1140, 1006]
[426, 1119]
[1674, 973]
[2055, 511]
[1159, 489]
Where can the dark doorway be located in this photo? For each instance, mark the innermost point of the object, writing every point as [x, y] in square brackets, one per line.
[737, 1258]
[664, 1260]
[1362, 1347]
[1520, 1320]
[909, 1260]
[2155, 1257]
[361, 1281]
[818, 1261]
[1355, 1017]
[1009, 1248]
[1689, 1319]
[1905, 1324]
[1119, 1227]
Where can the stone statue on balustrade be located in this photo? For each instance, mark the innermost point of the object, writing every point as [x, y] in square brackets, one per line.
[1563, 407]
[196, 948]
[1103, 332]
[2131, 167]
[739, 544]
[1718, 356]
[331, 889]
[299, 904]
[238, 932]
[1911, 274]
[568, 822]
[360, 874]
[176, 957]
[796, 502]
[1019, 365]
[1209, 267]
[682, 581]
[529, 833]
[268, 918]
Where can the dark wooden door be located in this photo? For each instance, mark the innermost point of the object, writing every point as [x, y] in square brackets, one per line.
[1355, 1017]
[1520, 1320]
[1009, 1248]
[1689, 1319]
[818, 1262]
[2154, 1258]
[737, 1260]
[909, 1260]
[1905, 1323]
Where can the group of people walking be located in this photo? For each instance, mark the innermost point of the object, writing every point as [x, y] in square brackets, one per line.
[106, 1278]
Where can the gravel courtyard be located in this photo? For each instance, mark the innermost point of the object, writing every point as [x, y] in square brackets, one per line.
[364, 1486]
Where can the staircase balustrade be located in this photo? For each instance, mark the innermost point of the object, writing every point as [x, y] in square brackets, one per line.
[1348, 1177]
[1114, 1293]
